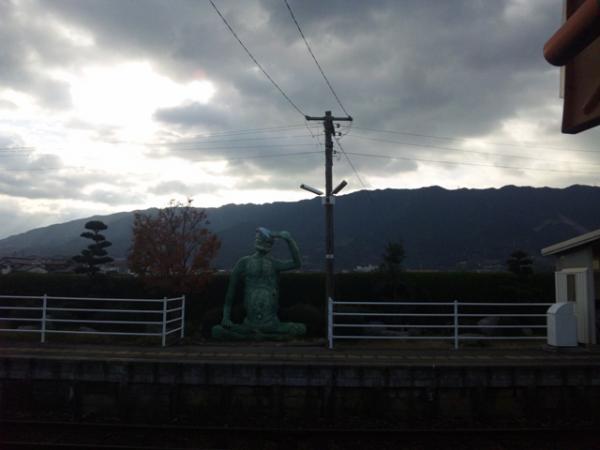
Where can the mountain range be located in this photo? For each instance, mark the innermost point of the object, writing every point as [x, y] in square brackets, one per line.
[440, 229]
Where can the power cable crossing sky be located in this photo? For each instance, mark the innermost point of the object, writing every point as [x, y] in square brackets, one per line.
[103, 110]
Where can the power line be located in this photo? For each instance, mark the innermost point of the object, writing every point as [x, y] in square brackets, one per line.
[43, 169]
[242, 147]
[263, 156]
[248, 157]
[375, 211]
[220, 134]
[199, 149]
[525, 144]
[208, 141]
[499, 166]
[350, 163]
[254, 130]
[211, 141]
[437, 147]
[215, 137]
[315, 58]
[314, 136]
[241, 158]
[3, 149]
[255, 61]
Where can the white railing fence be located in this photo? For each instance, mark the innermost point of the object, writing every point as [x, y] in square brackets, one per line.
[93, 316]
[453, 321]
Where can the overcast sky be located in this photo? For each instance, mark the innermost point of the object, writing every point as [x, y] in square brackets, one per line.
[109, 106]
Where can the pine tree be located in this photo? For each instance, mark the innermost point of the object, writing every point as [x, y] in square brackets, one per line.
[391, 266]
[92, 257]
[520, 263]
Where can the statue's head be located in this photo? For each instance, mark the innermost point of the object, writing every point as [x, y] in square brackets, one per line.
[264, 240]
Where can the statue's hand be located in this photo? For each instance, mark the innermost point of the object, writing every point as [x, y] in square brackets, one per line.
[226, 322]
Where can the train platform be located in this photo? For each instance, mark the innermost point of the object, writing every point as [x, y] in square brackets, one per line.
[204, 382]
[515, 354]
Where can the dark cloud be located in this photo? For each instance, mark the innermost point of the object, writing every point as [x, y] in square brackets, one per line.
[46, 177]
[8, 142]
[54, 94]
[27, 44]
[456, 68]
[16, 220]
[453, 66]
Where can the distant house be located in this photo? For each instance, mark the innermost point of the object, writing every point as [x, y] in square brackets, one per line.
[367, 268]
[35, 264]
[34, 269]
[577, 279]
[117, 266]
[5, 269]
[59, 265]
[19, 264]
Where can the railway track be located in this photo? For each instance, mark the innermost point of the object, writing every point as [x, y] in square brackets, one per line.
[37, 434]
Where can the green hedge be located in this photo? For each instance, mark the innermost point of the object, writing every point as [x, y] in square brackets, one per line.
[448, 286]
[71, 285]
[302, 295]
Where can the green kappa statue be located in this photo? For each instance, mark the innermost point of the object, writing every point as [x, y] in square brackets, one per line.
[259, 274]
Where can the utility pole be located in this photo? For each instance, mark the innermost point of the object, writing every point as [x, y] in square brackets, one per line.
[329, 199]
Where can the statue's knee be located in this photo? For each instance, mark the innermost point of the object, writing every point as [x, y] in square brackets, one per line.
[296, 329]
[218, 331]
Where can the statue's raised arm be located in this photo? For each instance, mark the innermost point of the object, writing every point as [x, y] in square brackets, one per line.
[290, 264]
[258, 273]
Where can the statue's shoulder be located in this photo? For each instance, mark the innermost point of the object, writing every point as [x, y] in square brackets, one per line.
[241, 263]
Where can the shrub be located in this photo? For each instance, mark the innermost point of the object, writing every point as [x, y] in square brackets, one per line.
[309, 315]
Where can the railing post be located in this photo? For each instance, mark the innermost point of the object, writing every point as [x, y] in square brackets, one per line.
[455, 324]
[182, 316]
[164, 324]
[329, 323]
[44, 307]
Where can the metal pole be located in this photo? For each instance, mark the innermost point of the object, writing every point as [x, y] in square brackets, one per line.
[330, 323]
[182, 316]
[164, 325]
[44, 307]
[329, 201]
[455, 325]
[329, 239]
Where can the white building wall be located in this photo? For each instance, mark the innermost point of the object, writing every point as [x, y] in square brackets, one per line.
[579, 263]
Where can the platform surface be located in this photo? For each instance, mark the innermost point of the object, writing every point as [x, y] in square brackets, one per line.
[527, 354]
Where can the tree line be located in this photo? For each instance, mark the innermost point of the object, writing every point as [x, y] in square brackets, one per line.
[173, 249]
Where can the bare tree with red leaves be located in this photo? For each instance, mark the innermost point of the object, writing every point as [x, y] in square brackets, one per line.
[173, 248]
